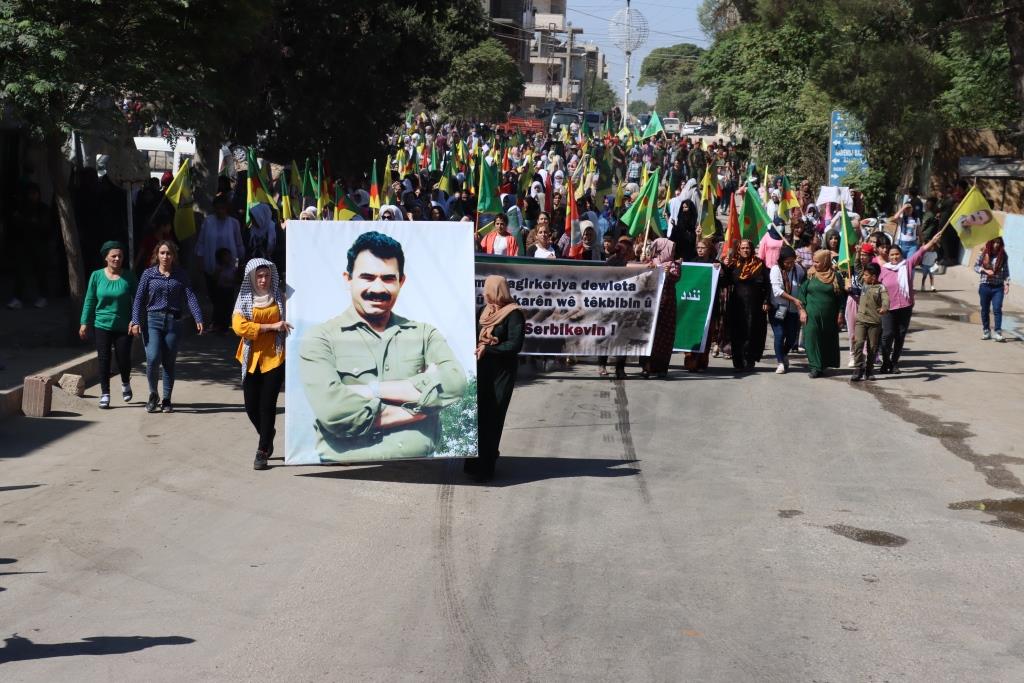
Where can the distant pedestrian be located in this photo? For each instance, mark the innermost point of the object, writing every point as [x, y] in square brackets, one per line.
[163, 294]
[258, 318]
[107, 309]
[500, 339]
[993, 267]
[220, 230]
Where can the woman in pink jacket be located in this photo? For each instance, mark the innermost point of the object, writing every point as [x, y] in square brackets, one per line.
[898, 279]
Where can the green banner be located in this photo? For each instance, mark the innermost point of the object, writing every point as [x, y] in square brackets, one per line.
[695, 298]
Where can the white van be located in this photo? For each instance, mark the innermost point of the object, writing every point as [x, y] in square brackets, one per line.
[671, 126]
[162, 158]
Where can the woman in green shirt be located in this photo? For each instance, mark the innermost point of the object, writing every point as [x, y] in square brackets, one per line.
[108, 309]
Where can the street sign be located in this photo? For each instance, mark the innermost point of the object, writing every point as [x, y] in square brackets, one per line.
[845, 152]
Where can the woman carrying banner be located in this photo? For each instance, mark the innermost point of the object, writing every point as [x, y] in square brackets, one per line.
[748, 303]
[898, 279]
[698, 362]
[258, 318]
[993, 267]
[822, 295]
[663, 257]
[500, 339]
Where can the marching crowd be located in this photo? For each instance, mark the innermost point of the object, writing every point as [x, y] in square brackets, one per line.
[793, 279]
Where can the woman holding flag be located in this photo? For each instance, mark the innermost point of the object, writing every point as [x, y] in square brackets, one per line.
[898, 279]
[663, 257]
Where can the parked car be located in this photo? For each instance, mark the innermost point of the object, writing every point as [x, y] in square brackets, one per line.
[595, 119]
[671, 126]
[708, 129]
[691, 128]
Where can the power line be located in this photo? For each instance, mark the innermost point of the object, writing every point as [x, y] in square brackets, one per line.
[622, 23]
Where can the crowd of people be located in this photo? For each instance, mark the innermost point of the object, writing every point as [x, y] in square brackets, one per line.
[793, 279]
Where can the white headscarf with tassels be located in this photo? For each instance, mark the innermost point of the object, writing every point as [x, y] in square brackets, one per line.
[247, 300]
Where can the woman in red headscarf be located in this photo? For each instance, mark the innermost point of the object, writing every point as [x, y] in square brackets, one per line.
[994, 270]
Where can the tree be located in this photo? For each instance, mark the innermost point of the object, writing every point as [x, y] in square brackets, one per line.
[57, 75]
[599, 96]
[638, 107]
[482, 84]
[672, 70]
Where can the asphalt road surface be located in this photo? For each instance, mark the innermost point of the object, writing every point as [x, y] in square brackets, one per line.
[705, 528]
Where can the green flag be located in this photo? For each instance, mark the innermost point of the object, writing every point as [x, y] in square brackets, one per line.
[308, 184]
[754, 220]
[653, 127]
[434, 165]
[487, 200]
[695, 298]
[847, 239]
[643, 212]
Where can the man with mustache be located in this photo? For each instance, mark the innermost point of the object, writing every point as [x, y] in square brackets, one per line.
[377, 381]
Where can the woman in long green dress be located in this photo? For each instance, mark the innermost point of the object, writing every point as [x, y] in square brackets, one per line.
[822, 295]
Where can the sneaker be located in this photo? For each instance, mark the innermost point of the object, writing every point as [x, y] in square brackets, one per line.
[14, 304]
[40, 302]
[986, 335]
[126, 392]
[857, 376]
[105, 401]
[933, 288]
[998, 336]
[260, 463]
[780, 369]
[851, 363]
[166, 407]
[151, 404]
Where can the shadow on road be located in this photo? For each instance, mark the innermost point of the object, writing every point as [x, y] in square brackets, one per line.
[511, 471]
[23, 435]
[19, 649]
[19, 487]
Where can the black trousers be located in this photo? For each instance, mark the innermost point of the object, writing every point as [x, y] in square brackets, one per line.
[122, 345]
[894, 332]
[261, 390]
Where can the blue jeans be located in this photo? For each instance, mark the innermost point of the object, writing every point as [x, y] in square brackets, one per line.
[909, 249]
[162, 332]
[991, 297]
[786, 333]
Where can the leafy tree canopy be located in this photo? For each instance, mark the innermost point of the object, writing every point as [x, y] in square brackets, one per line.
[482, 84]
[672, 70]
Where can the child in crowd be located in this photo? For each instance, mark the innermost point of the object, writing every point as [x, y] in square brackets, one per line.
[874, 303]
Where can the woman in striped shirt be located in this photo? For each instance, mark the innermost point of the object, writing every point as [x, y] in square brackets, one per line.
[164, 291]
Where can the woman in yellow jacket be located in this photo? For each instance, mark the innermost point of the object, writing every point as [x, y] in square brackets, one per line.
[259, 320]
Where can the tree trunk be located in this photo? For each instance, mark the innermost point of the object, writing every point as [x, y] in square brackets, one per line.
[68, 228]
[1015, 41]
[206, 165]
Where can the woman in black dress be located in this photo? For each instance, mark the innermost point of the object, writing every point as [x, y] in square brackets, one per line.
[746, 313]
[498, 345]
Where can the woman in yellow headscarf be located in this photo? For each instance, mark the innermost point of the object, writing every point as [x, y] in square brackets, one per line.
[823, 296]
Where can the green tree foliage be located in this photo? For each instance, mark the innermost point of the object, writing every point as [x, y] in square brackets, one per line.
[905, 70]
[761, 81]
[599, 95]
[482, 84]
[672, 71]
[638, 107]
[63, 64]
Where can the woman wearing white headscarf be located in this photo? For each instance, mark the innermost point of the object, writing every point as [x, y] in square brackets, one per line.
[259, 320]
[690, 192]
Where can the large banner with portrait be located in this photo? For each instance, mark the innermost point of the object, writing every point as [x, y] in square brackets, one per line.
[381, 362]
[573, 309]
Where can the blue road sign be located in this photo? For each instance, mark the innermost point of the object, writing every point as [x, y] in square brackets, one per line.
[845, 152]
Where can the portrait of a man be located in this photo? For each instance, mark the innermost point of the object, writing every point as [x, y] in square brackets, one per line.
[375, 380]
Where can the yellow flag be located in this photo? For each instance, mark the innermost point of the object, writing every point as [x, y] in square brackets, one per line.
[974, 221]
[619, 196]
[179, 194]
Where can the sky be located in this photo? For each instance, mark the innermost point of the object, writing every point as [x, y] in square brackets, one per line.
[670, 23]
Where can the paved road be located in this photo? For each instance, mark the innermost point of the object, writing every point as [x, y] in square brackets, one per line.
[708, 528]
